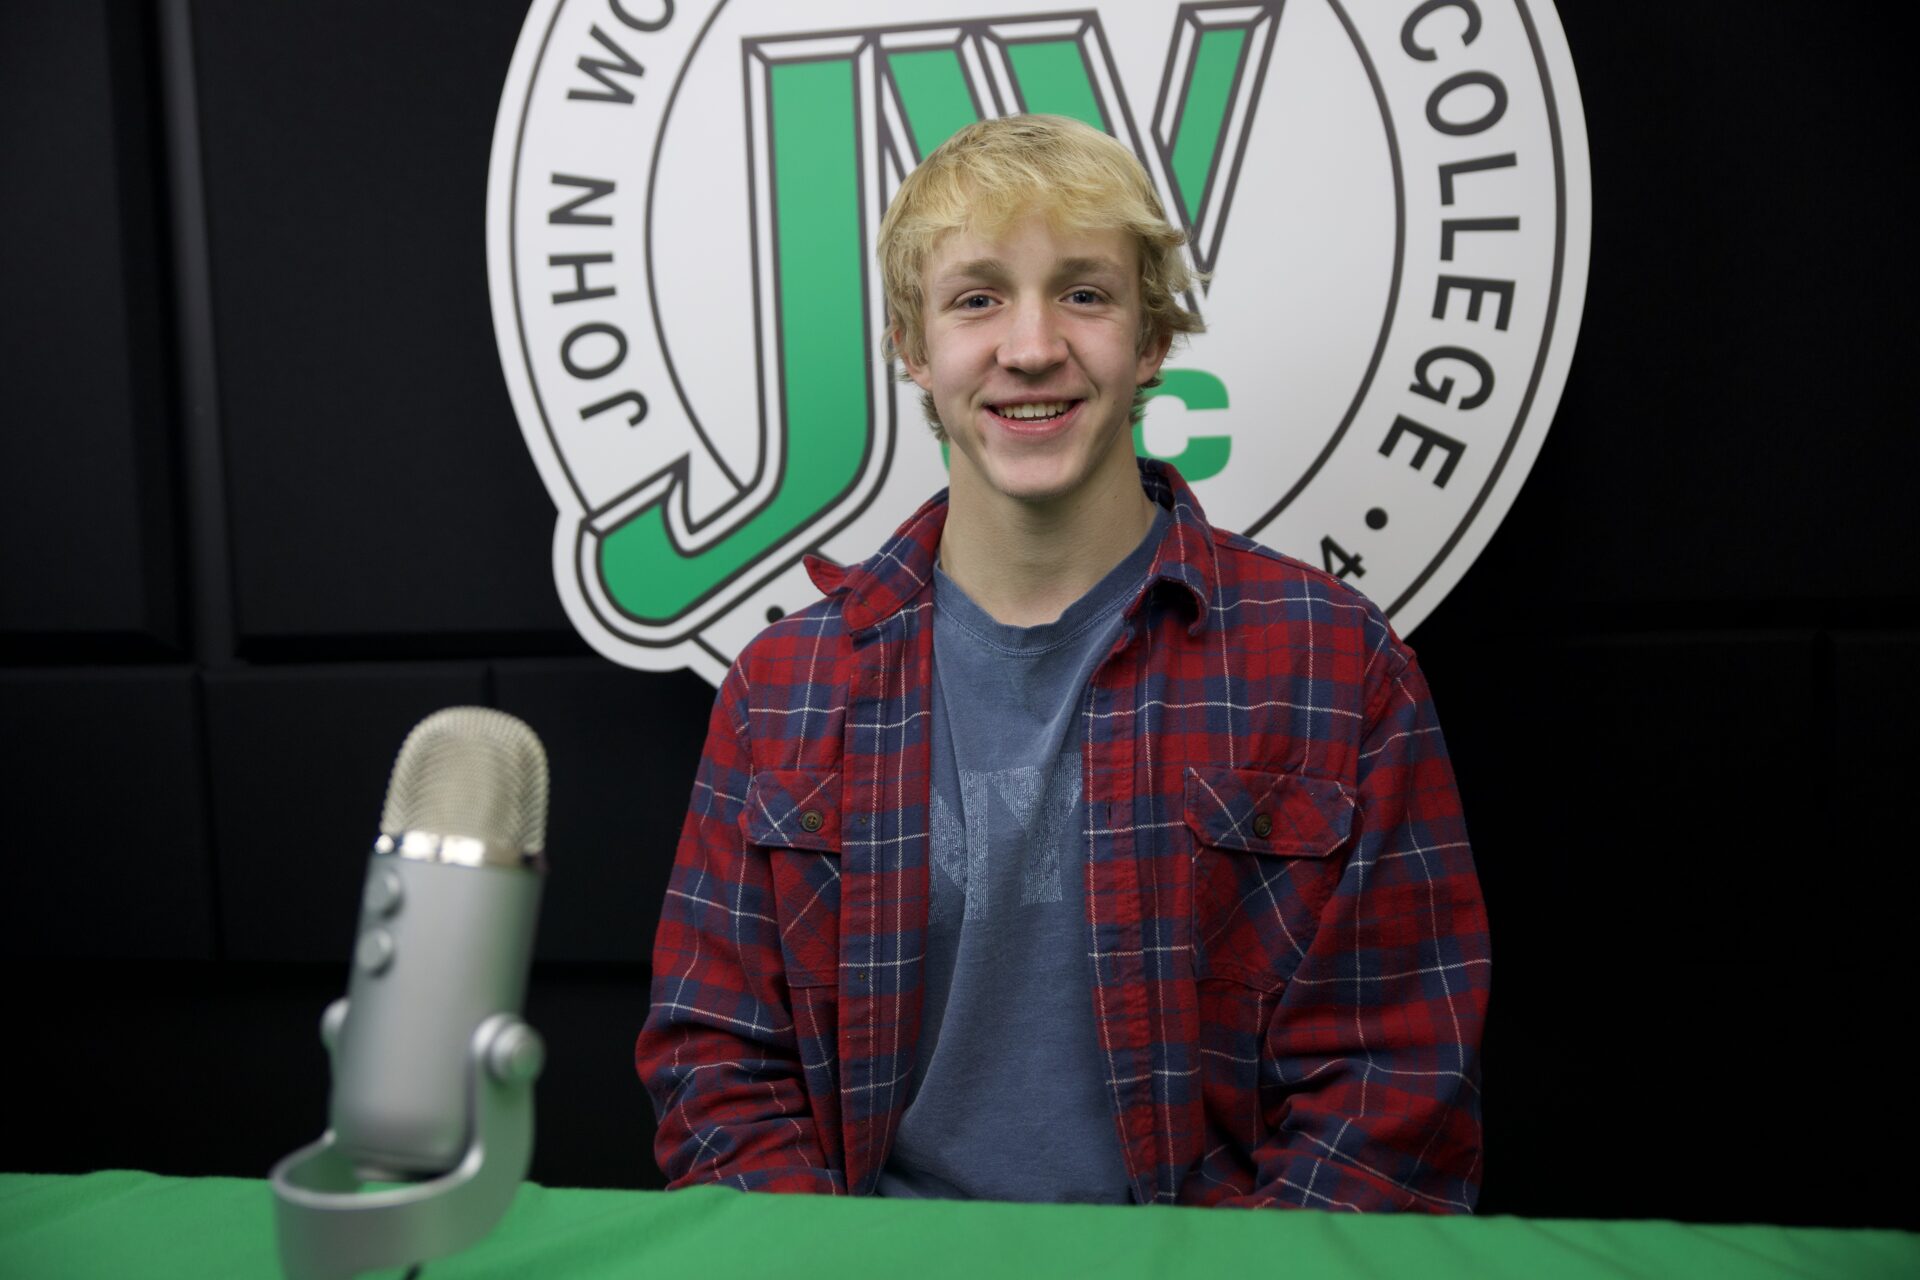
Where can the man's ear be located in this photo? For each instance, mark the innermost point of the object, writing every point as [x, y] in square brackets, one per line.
[1151, 357]
[917, 370]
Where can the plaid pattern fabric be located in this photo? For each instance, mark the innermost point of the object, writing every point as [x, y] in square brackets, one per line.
[1289, 949]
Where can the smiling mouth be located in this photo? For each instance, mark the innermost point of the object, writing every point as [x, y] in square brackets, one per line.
[1042, 411]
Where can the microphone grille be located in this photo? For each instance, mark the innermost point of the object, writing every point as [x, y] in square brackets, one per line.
[474, 772]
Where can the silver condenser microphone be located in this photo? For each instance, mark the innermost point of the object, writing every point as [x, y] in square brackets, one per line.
[432, 1067]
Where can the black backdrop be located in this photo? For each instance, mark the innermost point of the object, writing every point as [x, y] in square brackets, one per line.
[263, 504]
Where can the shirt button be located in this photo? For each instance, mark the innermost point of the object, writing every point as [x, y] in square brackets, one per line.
[811, 820]
[1263, 825]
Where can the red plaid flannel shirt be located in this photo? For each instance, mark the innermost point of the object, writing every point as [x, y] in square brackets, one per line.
[1289, 950]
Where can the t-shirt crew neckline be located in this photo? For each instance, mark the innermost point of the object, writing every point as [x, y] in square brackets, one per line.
[1091, 609]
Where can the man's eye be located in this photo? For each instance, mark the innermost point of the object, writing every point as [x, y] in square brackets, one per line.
[1085, 296]
[975, 302]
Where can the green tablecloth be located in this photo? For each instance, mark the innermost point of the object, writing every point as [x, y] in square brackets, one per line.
[128, 1225]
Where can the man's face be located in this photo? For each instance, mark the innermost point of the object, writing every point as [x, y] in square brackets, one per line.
[1033, 356]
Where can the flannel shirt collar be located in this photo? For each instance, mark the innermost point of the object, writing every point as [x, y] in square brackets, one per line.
[894, 576]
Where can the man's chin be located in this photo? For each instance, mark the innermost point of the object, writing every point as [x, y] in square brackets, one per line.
[1040, 482]
[1036, 474]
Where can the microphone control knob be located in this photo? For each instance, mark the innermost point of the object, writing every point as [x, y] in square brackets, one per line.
[330, 1023]
[383, 892]
[374, 952]
[516, 1054]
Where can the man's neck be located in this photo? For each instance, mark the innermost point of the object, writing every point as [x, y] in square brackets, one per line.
[1025, 562]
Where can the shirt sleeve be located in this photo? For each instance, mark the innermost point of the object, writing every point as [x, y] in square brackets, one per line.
[718, 1053]
[1374, 1043]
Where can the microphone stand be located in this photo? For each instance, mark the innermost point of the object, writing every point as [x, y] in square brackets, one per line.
[329, 1230]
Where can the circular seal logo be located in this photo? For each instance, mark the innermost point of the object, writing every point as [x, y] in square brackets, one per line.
[1393, 199]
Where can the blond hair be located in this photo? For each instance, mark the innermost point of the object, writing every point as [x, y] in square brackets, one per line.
[991, 174]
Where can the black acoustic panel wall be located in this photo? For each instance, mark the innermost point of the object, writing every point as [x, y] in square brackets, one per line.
[1858, 932]
[1682, 771]
[106, 799]
[1579, 758]
[301, 759]
[198, 1069]
[1638, 808]
[623, 747]
[595, 1124]
[1876, 695]
[377, 479]
[1753, 266]
[86, 547]
[177, 1068]
[1634, 794]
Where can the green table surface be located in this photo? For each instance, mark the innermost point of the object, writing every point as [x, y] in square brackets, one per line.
[127, 1224]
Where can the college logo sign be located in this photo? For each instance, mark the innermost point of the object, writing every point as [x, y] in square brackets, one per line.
[1392, 196]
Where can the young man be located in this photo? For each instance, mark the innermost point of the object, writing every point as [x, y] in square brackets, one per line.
[1070, 849]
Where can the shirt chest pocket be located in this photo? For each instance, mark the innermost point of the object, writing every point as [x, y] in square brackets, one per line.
[1263, 868]
[793, 816]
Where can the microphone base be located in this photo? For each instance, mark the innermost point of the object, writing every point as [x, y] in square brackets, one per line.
[329, 1229]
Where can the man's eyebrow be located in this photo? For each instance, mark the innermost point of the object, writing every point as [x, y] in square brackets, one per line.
[1089, 267]
[991, 270]
[994, 271]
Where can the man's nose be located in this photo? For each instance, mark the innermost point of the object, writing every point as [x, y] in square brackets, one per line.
[1033, 341]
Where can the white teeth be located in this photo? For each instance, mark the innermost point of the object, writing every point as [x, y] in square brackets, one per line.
[1051, 408]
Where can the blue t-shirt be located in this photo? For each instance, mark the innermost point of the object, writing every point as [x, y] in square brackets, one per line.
[1009, 1096]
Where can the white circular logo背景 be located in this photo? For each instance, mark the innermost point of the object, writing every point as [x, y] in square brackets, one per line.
[1393, 201]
